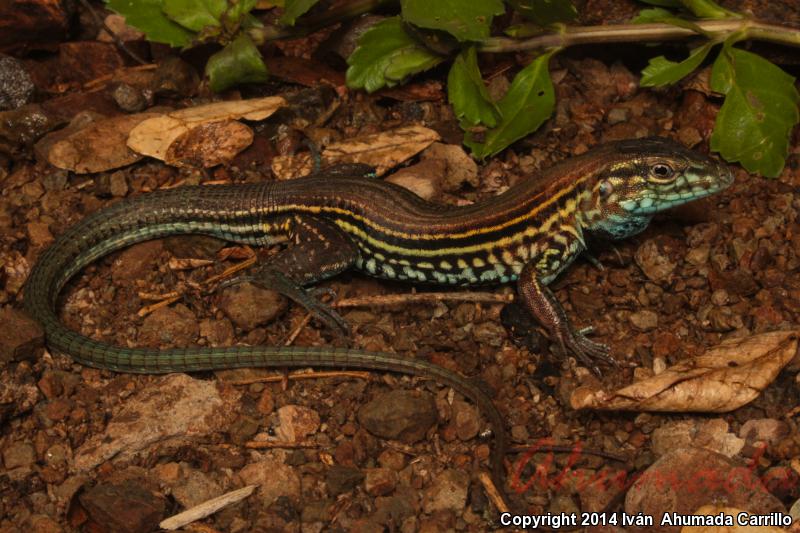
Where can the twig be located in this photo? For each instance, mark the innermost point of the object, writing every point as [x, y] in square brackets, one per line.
[114, 36]
[232, 270]
[492, 492]
[566, 449]
[425, 297]
[153, 296]
[144, 311]
[302, 375]
[623, 33]
[206, 508]
[569, 36]
[199, 527]
[293, 335]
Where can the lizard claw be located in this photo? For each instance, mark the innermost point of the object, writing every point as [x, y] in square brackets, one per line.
[268, 278]
[587, 351]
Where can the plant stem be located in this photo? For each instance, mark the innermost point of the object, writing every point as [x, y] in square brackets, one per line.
[622, 33]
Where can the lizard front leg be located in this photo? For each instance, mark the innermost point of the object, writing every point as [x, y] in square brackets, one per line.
[540, 301]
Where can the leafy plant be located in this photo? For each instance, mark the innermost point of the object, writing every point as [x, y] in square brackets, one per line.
[753, 126]
[761, 102]
[185, 23]
[489, 126]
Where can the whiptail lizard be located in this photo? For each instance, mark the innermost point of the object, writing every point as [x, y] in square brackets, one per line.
[527, 234]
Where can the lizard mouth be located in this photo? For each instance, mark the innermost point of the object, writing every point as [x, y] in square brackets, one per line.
[692, 184]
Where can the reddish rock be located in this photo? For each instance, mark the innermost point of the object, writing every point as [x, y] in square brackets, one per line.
[126, 507]
[249, 306]
[33, 24]
[135, 261]
[687, 478]
[403, 415]
[380, 481]
[169, 327]
[21, 337]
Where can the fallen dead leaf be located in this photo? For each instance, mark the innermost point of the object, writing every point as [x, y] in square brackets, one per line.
[209, 144]
[721, 380]
[728, 514]
[96, 147]
[154, 137]
[383, 151]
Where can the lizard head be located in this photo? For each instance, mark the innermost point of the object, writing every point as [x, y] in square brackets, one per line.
[642, 177]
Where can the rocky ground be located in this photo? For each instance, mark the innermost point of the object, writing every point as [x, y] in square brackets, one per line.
[92, 450]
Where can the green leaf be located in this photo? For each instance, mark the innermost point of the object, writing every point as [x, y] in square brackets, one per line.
[467, 92]
[147, 16]
[294, 9]
[661, 71]
[657, 14]
[239, 62]
[195, 14]
[524, 30]
[651, 15]
[385, 56]
[239, 9]
[708, 9]
[529, 102]
[465, 20]
[755, 122]
[545, 12]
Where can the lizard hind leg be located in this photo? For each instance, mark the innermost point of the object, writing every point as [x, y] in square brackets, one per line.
[318, 251]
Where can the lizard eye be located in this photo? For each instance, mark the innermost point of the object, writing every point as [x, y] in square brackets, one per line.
[661, 171]
[605, 189]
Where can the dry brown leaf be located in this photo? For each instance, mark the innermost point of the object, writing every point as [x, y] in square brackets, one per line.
[384, 150]
[731, 515]
[209, 144]
[97, 147]
[155, 136]
[722, 379]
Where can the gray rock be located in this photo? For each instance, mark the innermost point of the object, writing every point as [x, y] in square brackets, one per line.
[129, 98]
[16, 85]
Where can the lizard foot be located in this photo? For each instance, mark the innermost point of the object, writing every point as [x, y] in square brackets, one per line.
[269, 278]
[587, 351]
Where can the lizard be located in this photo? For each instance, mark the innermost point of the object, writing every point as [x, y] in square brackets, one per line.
[528, 234]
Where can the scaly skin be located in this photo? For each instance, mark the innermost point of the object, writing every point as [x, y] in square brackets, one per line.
[528, 234]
